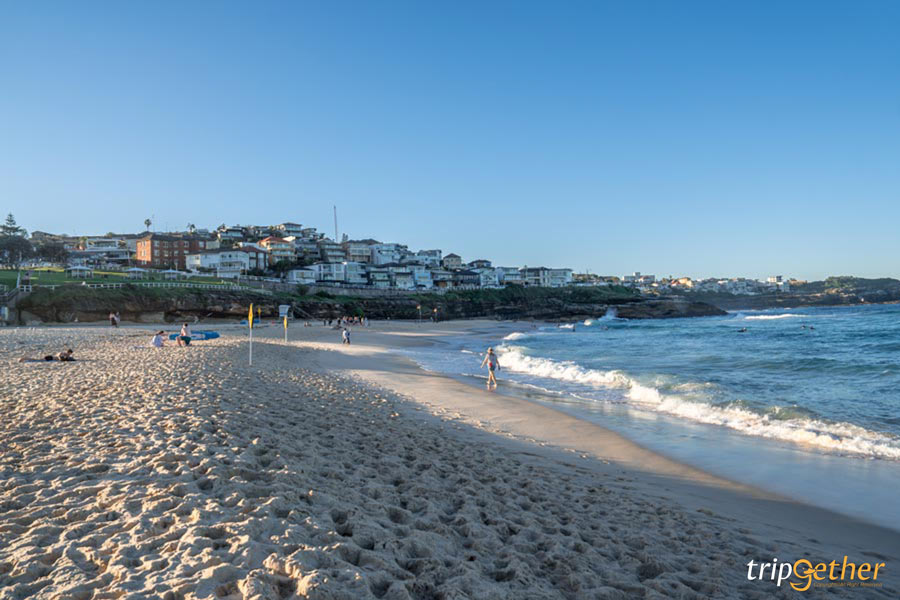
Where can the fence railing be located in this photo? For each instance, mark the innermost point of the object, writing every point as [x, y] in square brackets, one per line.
[152, 284]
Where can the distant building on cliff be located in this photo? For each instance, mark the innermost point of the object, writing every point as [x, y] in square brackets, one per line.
[170, 251]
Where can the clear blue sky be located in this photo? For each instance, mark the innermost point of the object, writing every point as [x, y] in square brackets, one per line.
[697, 138]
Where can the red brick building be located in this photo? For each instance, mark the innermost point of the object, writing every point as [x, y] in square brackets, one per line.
[169, 251]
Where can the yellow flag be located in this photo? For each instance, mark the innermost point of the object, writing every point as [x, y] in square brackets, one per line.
[285, 321]
[250, 317]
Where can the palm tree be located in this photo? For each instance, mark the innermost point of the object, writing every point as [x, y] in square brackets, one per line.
[147, 223]
[192, 228]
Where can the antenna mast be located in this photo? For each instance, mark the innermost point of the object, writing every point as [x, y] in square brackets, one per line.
[335, 224]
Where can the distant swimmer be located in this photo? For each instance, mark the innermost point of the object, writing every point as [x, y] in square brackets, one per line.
[490, 359]
[742, 330]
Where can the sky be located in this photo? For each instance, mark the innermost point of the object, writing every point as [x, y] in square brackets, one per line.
[674, 138]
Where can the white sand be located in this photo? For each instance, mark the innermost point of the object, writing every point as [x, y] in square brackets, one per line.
[183, 473]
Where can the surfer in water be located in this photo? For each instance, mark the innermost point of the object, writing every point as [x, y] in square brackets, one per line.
[490, 359]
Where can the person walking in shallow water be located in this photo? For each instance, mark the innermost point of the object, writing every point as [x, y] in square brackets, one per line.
[490, 359]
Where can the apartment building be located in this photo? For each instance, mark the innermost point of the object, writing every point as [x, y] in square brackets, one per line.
[168, 251]
[278, 248]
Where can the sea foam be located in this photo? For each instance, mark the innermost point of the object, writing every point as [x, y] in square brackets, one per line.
[843, 438]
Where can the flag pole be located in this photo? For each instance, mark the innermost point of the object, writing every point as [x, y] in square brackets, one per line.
[250, 323]
[285, 329]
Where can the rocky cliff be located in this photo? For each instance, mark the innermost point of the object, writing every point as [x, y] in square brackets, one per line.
[70, 304]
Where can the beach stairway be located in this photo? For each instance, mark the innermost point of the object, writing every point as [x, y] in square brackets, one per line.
[8, 300]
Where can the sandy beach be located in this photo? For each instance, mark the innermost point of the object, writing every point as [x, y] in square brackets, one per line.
[341, 472]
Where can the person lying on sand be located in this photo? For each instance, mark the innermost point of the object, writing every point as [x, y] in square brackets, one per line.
[64, 356]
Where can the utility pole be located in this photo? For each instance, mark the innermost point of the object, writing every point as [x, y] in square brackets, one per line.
[335, 225]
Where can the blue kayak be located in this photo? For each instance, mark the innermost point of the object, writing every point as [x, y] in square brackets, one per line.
[197, 335]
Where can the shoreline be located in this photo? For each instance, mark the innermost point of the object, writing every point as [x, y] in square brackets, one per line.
[535, 422]
[351, 470]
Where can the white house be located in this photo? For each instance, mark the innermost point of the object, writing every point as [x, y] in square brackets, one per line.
[259, 258]
[100, 250]
[359, 250]
[379, 277]
[452, 261]
[383, 254]
[508, 275]
[235, 232]
[560, 277]
[403, 280]
[441, 278]
[301, 276]
[289, 229]
[331, 251]
[330, 272]
[421, 276]
[429, 258]
[536, 276]
[355, 273]
[226, 262]
[487, 277]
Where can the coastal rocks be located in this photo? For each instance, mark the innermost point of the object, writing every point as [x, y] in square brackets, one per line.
[667, 309]
[76, 304]
[70, 304]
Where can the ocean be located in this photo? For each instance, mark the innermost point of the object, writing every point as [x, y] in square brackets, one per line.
[804, 402]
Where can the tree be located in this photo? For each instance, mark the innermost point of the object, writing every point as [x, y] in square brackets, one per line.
[14, 249]
[281, 266]
[147, 223]
[54, 252]
[191, 227]
[11, 228]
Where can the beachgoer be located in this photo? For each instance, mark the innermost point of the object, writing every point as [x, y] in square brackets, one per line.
[490, 359]
[118, 318]
[65, 356]
[345, 335]
[49, 357]
[157, 340]
[112, 319]
[184, 338]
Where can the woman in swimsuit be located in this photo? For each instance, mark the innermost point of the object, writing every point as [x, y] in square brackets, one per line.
[490, 359]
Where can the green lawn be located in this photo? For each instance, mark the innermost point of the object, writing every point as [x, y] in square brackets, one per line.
[56, 276]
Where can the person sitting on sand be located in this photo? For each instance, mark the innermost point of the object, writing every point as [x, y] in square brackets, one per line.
[184, 338]
[157, 340]
[490, 359]
[66, 355]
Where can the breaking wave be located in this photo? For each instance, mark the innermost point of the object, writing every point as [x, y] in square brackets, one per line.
[778, 423]
[518, 335]
[771, 317]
